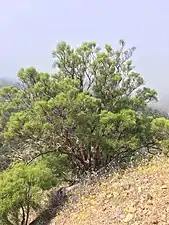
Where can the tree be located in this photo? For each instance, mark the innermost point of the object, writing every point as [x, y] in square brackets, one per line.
[21, 190]
[93, 110]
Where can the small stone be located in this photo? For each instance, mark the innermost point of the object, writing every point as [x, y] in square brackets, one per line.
[109, 196]
[132, 209]
[115, 194]
[128, 218]
[150, 197]
[163, 187]
[106, 201]
[104, 209]
[139, 189]
[125, 186]
[149, 202]
[136, 203]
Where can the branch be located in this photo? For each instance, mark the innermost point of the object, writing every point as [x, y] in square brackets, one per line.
[28, 197]
[130, 151]
[85, 164]
[40, 154]
[23, 215]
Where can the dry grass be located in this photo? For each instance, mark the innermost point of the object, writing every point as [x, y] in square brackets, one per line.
[138, 196]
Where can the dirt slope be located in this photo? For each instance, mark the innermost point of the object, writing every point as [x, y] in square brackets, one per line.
[139, 196]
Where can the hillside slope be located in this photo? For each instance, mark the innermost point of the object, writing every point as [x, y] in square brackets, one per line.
[137, 196]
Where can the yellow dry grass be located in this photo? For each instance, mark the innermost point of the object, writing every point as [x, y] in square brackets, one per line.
[139, 196]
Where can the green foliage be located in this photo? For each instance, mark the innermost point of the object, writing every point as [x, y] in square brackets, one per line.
[93, 110]
[160, 128]
[59, 166]
[21, 189]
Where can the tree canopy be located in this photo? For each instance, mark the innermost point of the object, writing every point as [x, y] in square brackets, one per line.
[21, 190]
[93, 109]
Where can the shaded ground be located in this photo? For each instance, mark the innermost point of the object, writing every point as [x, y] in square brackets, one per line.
[56, 201]
[138, 196]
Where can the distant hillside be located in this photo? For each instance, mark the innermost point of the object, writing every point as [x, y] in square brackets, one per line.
[138, 196]
[5, 82]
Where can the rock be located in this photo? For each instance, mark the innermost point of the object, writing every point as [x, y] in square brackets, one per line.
[104, 209]
[109, 196]
[149, 197]
[139, 189]
[128, 218]
[132, 209]
[106, 201]
[115, 194]
[163, 187]
[149, 202]
[125, 186]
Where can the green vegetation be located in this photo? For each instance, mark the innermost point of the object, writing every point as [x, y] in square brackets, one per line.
[92, 111]
[21, 190]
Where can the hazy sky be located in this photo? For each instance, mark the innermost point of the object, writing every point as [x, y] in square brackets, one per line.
[30, 30]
